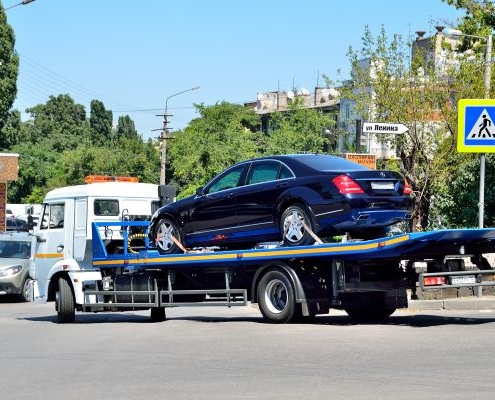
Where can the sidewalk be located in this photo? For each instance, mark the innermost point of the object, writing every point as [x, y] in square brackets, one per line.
[459, 303]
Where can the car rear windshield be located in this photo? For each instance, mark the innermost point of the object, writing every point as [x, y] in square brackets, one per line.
[331, 163]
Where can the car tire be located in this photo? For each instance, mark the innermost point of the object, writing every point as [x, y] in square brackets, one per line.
[292, 227]
[65, 303]
[276, 297]
[24, 296]
[164, 230]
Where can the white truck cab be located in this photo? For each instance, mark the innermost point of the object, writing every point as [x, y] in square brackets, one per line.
[63, 234]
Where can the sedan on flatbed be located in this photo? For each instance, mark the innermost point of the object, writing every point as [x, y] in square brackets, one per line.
[284, 198]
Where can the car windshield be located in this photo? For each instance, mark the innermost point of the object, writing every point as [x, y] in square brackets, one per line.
[12, 249]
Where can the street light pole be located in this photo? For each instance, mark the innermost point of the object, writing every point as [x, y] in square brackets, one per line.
[488, 75]
[166, 135]
[22, 3]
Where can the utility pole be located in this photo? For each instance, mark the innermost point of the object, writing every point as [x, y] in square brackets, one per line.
[166, 136]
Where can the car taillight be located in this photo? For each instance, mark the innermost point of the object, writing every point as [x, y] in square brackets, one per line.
[407, 189]
[347, 185]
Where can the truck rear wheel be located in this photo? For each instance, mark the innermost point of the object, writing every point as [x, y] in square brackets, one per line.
[276, 297]
[64, 302]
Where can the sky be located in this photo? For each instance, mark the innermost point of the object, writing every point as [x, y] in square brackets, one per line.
[133, 55]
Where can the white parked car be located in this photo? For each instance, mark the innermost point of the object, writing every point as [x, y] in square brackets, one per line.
[15, 253]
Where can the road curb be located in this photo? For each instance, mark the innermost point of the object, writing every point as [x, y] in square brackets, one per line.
[463, 303]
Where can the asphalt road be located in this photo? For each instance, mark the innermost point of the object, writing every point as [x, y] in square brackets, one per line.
[220, 353]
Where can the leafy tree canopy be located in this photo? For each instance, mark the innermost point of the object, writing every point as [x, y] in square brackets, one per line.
[300, 130]
[223, 134]
[100, 122]
[9, 67]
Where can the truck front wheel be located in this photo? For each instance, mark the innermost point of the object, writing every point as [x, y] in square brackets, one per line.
[64, 302]
[276, 297]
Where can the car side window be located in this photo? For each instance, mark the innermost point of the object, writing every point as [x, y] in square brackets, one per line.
[229, 180]
[285, 173]
[263, 172]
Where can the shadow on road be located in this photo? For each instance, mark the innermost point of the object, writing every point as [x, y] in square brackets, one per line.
[9, 298]
[414, 321]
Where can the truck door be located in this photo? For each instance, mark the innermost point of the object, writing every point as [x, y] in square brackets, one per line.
[51, 244]
[80, 228]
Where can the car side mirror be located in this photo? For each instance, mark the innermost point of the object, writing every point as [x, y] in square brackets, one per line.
[200, 191]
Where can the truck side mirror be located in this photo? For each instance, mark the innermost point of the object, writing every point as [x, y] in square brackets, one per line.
[30, 222]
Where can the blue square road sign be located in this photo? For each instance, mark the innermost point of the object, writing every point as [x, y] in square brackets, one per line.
[476, 126]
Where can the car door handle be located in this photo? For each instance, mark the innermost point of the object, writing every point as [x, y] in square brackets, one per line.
[60, 248]
[229, 196]
[284, 184]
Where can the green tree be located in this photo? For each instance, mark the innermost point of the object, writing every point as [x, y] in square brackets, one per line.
[9, 67]
[56, 149]
[478, 20]
[457, 192]
[387, 90]
[298, 130]
[129, 157]
[223, 134]
[100, 122]
[126, 127]
[11, 131]
[456, 199]
[36, 167]
[60, 122]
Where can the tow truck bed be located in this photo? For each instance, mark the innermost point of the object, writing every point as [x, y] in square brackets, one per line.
[411, 246]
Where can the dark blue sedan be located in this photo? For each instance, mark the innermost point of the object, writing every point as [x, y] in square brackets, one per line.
[278, 198]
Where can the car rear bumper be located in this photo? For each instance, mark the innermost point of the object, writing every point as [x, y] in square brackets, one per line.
[360, 220]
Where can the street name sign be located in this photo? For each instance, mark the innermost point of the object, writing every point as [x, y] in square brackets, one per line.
[475, 126]
[384, 127]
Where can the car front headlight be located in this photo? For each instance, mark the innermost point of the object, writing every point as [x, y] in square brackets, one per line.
[10, 271]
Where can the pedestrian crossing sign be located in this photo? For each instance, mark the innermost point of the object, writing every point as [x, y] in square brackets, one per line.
[476, 126]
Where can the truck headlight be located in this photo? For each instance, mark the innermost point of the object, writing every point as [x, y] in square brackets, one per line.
[10, 271]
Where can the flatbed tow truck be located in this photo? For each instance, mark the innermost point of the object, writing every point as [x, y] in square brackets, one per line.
[368, 279]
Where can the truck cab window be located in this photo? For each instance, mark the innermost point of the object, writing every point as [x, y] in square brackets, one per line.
[52, 216]
[106, 207]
